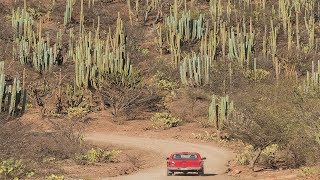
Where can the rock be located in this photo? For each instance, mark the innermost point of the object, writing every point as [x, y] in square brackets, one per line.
[237, 171]
[228, 170]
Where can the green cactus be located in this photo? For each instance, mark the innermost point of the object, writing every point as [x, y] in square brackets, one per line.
[219, 113]
[240, 46]
[22, 22]
[273, 41]
[213, 111]
[13, 97]
[95, 58]
[2, 84]
[312, 83]
[68, 12]
[181, 29]
[194, 70]
[12, 93]
[310, 26]
[232, 46]
[37, 52]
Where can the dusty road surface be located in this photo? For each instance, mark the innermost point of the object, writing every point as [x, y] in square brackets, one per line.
[215, 165]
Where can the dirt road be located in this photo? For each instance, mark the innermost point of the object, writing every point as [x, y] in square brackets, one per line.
[215, 164]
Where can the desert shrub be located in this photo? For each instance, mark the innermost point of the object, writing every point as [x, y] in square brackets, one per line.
[98, 156]
[76, 97]
[309, 171]
[302, 147]
[77, 112]
[258, 75]
[268, 157]
[48, 159]
[13, 169]
[245, 156]
[165, 120]
[167, 85]
[206, 136]
[35, 12]
[129, 97]
[164, 82]
[259, 130]
[165, 71]
[54, 177]
[277, 115]
[288, 153]
[76, 102]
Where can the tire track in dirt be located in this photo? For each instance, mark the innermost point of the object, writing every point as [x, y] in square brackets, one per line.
[215, 165]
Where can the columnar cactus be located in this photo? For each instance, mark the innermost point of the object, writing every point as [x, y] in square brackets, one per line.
[219, 113]
[312, 83]
[310, 26]
[22, 22]
[37, 51]
[2, 83]
[240, 46]
[181, 29]
[209, 43]
[216, 10]
[10, 95]
[68, 12]
[95, 58]
[194, 70]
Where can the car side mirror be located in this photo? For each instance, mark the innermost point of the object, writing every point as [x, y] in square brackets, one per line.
[167, 158]
[204, 158]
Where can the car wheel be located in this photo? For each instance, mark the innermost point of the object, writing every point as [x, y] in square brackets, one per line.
[201, 172]
[169, 173]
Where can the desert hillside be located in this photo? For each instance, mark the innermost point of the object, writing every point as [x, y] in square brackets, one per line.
[104, 88]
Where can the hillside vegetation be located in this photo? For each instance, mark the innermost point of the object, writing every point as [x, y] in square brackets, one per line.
[249, 69]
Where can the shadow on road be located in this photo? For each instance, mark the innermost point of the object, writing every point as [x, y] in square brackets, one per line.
[182, 174]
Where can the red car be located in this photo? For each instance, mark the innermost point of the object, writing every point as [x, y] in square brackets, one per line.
[185, 162]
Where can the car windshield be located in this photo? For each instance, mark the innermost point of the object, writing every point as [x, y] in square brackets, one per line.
[185, 156]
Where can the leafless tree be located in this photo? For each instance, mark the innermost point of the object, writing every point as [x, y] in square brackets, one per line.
[259, 131]
[127, 100]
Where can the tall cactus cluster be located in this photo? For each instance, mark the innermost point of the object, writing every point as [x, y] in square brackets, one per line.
[296, 7]
[219, 112]
[178, 29]
[239, 50]
[312, 83]
[22, 22]
[12, 97]
[36, 51]
[29, 45]
[194, 70]
[68, 11]
[238, 39]
[187, 28]
[150, 7]
[210, 42]
[240, 47]
[2, 83]
[245, 41]
[95, 58]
